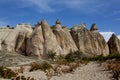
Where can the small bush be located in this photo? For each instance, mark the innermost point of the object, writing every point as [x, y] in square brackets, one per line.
[34, 66]
[60, 57]
[43, 66]
[6, 73]
[51, 54]
[72, 56]
[46, 66]
[69, 57]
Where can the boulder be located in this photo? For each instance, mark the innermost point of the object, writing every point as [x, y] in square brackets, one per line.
[114, 44]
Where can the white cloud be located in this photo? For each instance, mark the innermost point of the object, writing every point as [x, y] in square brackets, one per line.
[118, 36]
[106, 35]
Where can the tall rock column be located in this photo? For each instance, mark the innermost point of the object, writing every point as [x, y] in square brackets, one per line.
[35, 44]
[114, 44]
[50, 41]
[64, 38]
[100, 45]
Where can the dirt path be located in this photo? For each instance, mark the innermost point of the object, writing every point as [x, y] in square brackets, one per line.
[91, 71]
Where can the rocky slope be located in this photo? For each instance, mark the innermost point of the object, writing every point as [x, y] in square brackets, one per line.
[39, 41]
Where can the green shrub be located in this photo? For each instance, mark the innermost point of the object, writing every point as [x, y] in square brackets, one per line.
[72, 56]
[69, 57]
[103, 58]
[113, 56]
[7, 73]
[51, 54]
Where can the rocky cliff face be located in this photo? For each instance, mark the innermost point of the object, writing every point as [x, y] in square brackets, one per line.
[114, 44]
[89, 41]
[38, 42]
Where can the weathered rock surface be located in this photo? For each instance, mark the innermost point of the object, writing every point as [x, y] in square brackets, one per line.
[36, 42]
[50, 41]
[10, 41]
[114, 44]
[64, 38]
[3, 35]
[89, 41]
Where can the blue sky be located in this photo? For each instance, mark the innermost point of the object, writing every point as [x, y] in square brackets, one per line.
[105, 13]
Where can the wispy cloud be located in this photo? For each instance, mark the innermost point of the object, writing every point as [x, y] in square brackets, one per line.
[52, 5]
[39, 5]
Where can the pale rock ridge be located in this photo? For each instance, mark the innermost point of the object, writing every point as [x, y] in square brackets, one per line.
[64, 38]
[114, 44]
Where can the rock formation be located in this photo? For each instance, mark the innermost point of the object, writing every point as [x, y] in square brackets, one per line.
[35, 45]
[89, 41]
[50, 41]
[38, 42]
[114, 44]
[94, 28]
[10, 43]
[64, 38]
[101, 46]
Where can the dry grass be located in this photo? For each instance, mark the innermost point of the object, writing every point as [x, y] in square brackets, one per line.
[7, 73]
[42, 66]
[114, 66]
